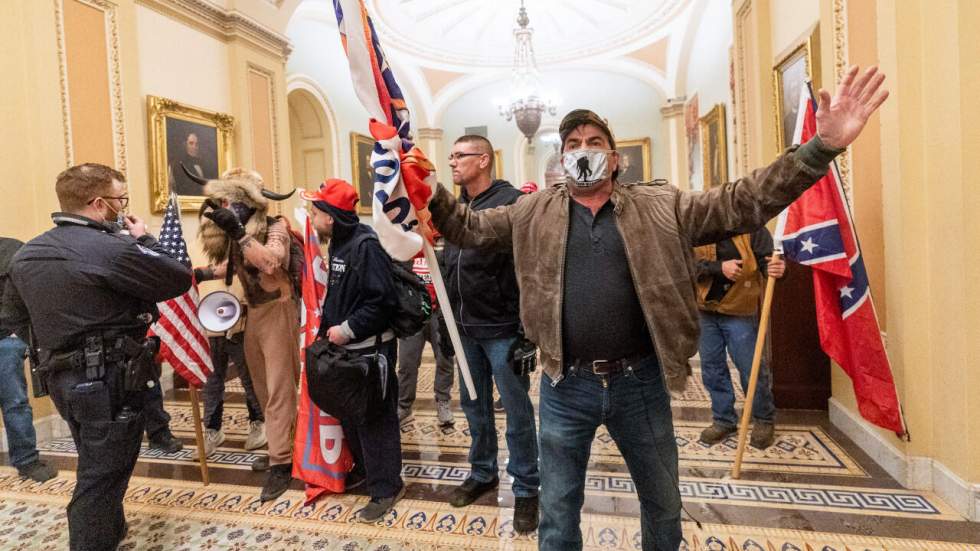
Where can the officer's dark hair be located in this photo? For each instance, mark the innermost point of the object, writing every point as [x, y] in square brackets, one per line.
[78, 185]
[485, 145]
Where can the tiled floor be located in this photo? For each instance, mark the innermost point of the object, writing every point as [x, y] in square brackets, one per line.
[814, 489]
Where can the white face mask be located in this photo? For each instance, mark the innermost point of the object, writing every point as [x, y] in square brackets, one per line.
[585, 167]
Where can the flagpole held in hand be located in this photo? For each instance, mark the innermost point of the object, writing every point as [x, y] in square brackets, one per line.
[760, 341]
[447, 311]
[198, 433]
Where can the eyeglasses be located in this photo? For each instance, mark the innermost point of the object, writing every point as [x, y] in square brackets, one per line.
[123, 200]
[457, 155]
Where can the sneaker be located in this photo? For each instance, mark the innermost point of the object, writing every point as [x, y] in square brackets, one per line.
[470, 490]
[525, 514]
[378, 506]
[166, 442]
[403, 414]
[260, 463]
[354, 479]
[256, 435]
[716, 433]
[212, 439]
[498, 405]
[38, 471]
[277, 483]
[444, 413]
[763, 435]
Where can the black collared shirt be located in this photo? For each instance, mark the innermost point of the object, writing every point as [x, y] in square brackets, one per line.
[601, 314]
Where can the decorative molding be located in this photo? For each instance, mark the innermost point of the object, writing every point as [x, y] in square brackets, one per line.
[59, 20]
[672, 109]
[742, 106]
[114, 74]
[840, 66]
[274, 120]
[298, 81]
[913, 472]
[224, 24]
[429, 133]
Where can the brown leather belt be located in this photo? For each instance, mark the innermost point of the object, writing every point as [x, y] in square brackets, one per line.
[606, 367]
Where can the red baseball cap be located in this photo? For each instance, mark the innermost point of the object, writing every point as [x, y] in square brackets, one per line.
[335, 192]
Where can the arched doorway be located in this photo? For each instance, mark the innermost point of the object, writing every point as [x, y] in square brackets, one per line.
[311, 137]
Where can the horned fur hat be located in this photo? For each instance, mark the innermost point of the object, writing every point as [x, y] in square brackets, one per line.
[242, 188]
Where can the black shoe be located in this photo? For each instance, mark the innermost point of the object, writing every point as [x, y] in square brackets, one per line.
[525, 514]
[278, 482]
[470, 490]
[166, 442]
[354, 479]
[260, 463]
[38, 471]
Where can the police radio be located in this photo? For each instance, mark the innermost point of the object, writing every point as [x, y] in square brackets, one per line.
[219, 311]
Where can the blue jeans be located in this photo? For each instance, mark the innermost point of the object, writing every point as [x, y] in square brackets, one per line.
[635, 407]
[489, 361]
[738, 334]
[18, 418]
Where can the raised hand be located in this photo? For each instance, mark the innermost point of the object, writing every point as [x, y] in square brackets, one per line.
[840, 119]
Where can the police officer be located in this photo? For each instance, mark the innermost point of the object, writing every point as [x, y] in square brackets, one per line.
[90, 293]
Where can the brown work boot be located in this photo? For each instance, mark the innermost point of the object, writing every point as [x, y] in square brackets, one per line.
[470, 490]
[716, 433]
[763, 435]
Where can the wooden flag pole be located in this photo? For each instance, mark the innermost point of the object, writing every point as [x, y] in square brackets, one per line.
[447, 311]
[199, 434]
[760, 342]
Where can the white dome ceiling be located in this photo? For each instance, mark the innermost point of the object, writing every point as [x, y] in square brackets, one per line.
[479, 33]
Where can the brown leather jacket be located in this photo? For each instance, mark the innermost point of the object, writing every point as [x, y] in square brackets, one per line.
[660, 226]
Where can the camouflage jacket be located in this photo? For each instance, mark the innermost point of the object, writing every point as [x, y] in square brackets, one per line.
[660, 226]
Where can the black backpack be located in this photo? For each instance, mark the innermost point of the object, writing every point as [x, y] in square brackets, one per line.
[414, 305]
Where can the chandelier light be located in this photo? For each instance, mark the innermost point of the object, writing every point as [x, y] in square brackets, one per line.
[526, 104]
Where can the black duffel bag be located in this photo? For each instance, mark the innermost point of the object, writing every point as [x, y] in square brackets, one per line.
[344, 383]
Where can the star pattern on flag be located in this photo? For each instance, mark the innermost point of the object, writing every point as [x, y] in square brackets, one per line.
[846, 291]
[808, 245]
[172, 236]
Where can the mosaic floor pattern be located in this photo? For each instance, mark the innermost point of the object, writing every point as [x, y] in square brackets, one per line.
[183, 515]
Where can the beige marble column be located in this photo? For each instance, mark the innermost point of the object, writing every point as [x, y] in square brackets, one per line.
[673, 114]
[429, 140]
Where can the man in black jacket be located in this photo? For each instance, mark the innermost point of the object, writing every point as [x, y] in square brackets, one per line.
[485, 300]
[356, 315]
[89, 293]
[18, 418]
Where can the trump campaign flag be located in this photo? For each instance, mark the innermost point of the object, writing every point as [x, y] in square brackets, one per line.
[183, 343]
[321, 457]
[400, 169]
[817, 230]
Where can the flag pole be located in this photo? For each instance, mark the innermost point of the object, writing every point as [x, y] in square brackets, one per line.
[760, 341]
[447, 311]
[198, 433]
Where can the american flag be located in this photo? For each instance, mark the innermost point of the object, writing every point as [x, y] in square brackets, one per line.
[183, 343]
[817, 230]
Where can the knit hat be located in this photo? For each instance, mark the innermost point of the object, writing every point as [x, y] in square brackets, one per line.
[577, 118]
[335, 197]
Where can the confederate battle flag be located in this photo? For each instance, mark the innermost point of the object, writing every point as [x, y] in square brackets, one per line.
[817, 230]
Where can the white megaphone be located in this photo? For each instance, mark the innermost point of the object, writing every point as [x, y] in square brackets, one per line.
[219, 311]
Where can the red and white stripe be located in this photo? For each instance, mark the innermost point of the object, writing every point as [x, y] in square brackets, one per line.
[183, 342]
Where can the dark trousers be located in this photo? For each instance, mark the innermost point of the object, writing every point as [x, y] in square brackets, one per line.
[157, 419]
[223, 350]
[377, 445]
[107, 453]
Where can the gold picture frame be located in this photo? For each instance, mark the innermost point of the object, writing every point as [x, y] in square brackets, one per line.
[714, 147]
[802, 61]
[360, 162]
[497, 172]
[629, 151]
[171, 126]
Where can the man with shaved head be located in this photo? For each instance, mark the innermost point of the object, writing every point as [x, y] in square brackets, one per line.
[606, 276]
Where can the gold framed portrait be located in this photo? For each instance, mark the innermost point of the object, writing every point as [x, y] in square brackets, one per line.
[497, 172]
[182, 134]
[714, 147]
[634, 160]
[360, 162]
[790, 74]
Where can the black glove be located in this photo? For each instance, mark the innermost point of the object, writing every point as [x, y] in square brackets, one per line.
[445, 342]
[227, 221]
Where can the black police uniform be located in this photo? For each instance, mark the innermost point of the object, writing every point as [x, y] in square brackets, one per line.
[90, 295]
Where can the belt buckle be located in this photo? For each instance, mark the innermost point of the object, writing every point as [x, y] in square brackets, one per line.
[604, 367]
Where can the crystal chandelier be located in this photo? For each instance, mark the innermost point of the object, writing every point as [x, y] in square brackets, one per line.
[526, 104]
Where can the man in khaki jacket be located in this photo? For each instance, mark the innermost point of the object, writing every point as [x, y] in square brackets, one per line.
[606, 273]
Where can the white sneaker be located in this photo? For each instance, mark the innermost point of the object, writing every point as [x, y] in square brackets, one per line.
[444, 413]
[256, 435]
[212, 439]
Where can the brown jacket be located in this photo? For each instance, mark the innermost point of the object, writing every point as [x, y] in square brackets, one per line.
[742, 297]
[660, 225]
